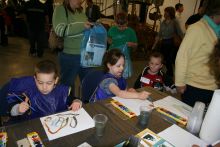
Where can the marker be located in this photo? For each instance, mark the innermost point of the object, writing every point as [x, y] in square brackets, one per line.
[23, 101]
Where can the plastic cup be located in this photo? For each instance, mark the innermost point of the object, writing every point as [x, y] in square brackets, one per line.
[145, 112]
[100, 121]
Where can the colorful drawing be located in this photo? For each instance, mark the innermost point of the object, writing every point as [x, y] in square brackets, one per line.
[66, 123]
[59, 121]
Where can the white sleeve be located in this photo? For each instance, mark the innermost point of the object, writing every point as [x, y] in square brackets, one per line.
[14, 110]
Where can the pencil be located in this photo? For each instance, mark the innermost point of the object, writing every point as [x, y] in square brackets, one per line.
[23, 101]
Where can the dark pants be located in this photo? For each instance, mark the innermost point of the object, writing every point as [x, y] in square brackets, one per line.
[36, 39]
[3, 36]
[70, 68]
[169, 53]
[193, 94]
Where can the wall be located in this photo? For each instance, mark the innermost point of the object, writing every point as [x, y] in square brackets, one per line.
[189, 6]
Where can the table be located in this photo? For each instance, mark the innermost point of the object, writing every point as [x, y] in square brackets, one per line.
[117, 130]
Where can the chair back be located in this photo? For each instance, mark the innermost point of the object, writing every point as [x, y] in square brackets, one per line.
[89, 84]
[3, 100]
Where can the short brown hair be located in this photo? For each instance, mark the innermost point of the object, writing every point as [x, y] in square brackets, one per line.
[46, 66]
[112, 56]
[121, 18]
[156, 54]
[178, 6]
[171, 11]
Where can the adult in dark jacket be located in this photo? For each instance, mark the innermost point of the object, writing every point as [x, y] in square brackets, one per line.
[37, 19]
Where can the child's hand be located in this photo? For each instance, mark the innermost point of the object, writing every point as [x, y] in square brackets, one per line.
[76, 105]
[143, 95]
[24, 106]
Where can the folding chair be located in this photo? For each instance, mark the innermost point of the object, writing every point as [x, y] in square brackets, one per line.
[89, 84]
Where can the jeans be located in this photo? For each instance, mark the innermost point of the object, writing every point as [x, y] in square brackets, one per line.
[70, 68]
[193, 94]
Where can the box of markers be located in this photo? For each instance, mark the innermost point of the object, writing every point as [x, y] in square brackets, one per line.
[3, 139]
[123, 108]
[172, 115]
[34, 139]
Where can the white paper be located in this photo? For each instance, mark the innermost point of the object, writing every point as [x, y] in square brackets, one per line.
[85, 144]
[174, 105]
[132, 104]
[210, 130]
[84, 121]
[180, 137]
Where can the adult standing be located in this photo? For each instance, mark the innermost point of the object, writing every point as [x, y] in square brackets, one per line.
[3, 36]
[195, 17]
[69, 21]
[179, 10]
[2, 28]
[168, 29]
[92, 11]
[37, 20]
[192, 76]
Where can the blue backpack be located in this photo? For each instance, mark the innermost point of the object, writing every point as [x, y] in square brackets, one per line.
[93, 46]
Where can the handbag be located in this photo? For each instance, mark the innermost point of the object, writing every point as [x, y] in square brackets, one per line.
[93, 46]
[55, 42]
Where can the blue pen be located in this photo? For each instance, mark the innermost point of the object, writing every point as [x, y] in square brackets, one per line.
[23, 101]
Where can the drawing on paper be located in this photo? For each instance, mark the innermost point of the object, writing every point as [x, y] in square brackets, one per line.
[57, 122]
[66, 123]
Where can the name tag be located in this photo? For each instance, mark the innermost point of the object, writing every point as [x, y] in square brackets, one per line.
[145, 80]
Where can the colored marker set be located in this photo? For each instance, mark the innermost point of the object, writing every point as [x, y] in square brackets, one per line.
[3, 139]
[172, 115]
[34, 139]
[123, 108]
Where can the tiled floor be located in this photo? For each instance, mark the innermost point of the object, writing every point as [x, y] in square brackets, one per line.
[15, 61]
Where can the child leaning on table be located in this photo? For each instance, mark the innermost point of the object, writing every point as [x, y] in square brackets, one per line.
[153, 76]
[41, 94]
[113, 84]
